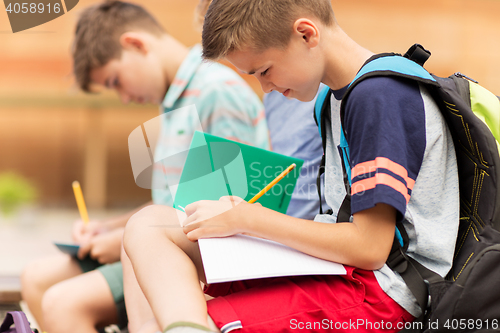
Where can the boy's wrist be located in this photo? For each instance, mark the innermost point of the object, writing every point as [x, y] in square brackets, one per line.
[247, 215]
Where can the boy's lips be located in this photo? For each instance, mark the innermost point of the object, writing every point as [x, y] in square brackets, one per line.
[286, 92]
[141, 100]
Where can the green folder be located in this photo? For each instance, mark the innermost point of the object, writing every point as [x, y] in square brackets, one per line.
[217, 167]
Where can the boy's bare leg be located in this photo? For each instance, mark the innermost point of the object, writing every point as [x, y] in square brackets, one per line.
[167, 266]
[139, 312]
[79, 305]
[40, 275]
[149, 327]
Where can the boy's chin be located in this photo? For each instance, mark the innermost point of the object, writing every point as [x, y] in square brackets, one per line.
[303, 97]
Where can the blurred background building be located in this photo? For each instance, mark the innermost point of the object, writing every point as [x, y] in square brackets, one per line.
[53, 134]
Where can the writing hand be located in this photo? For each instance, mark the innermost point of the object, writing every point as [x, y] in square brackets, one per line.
[82, 232]
[208, 218]
[104, 247]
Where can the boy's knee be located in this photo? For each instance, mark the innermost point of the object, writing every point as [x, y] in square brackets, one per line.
[136, 224]
[32, 277]
[57, 301]
[28, 274]
[142, 223]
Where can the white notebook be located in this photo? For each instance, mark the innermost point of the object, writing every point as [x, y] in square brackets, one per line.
[242, 257]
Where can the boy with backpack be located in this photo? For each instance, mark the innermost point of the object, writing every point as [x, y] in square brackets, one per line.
[402, 166]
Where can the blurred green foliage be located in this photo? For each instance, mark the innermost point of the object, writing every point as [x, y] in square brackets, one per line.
[15, 191]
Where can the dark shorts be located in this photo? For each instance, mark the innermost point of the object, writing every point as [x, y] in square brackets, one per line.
[349, 303]
[114, 277]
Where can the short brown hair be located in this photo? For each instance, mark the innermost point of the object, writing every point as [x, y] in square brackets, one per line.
[97, 35]
[231, 25]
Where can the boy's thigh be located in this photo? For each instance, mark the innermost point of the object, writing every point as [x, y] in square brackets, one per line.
[87, 295]
[50, 270]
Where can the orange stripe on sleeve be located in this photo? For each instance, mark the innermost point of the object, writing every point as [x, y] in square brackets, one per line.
[179, 82]
[382, 162]
[261, 115]
[382, 179]
[191, 92]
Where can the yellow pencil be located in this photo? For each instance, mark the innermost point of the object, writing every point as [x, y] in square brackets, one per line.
[271, 184]
[80, 202]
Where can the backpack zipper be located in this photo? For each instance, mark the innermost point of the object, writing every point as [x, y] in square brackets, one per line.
[463, 76]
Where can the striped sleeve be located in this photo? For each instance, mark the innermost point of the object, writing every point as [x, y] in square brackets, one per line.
[385, 129]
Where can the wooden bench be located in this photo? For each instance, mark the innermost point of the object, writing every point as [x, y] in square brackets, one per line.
[10, 295]
[10, 289]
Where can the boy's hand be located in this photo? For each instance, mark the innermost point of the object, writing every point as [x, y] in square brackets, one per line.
[207, 218]
[82, 232]
[104, 247]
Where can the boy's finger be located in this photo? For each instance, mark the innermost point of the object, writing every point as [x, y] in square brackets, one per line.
[191, 208]
[196, 233]
[190, 226]
[84, 250]
[192, 236]
[233, 198]
[77, 230]
[190, 219]
[206, 231]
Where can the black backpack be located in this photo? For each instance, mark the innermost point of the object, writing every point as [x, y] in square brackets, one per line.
[468, 298]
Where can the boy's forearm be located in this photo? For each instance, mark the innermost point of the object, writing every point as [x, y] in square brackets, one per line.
[363, 245]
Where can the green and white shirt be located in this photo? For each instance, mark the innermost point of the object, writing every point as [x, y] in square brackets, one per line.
[226, 106]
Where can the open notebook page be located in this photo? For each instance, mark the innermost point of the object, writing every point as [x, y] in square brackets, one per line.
[242, 257]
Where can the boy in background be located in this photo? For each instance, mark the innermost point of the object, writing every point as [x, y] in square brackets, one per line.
[398, 141]
[120, 46]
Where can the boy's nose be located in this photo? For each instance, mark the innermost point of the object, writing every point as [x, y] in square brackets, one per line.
[124, 97]
[267, 86]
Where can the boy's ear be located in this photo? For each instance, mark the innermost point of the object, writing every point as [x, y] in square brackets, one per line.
[134, 41]
[307, 30]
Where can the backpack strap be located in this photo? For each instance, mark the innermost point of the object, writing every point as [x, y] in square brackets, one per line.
[321, 113]
[18, 318]
[320, 109]
[418, 54]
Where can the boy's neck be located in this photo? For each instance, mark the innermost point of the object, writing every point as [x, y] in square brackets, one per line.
[343, 58]
[171, 54]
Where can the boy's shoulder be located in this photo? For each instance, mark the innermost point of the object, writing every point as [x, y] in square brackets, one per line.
[385, 97]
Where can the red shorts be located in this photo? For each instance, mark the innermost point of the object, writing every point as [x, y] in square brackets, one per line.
[348, 303]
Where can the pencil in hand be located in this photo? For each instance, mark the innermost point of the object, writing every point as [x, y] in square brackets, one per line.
[80, 202]
[271, 184]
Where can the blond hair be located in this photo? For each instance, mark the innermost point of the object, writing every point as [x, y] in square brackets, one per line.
[231, 25]
[97, 35]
